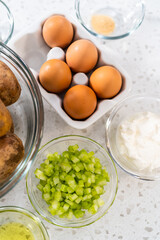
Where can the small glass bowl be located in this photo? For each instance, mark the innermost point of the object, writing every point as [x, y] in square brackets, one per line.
[59, 145]
[6, 23]
[27, 114]
[127, 15]
[124, 109]
[14, 214]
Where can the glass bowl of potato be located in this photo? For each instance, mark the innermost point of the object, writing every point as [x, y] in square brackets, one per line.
[21, 118]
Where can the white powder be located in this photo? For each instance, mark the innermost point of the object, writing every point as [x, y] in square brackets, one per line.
[138, 140]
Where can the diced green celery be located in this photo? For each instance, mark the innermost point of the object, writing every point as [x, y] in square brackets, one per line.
[69, 202]
[98, 189]
[105, 175]
[46, 197]
[93, 179]
[51, 210]
[58, 187]
[60, 211]
[66, 207]
[55, 205]
[48, 171]
[42, 166]
[78, 213]
[71, 182]
[72, 197]
[100, 202]
[80, 183]
[40, 175]
[78, 200]
[101, 182]
[87, 190]
[56, 180]
[90, 167]
[76, 168]
[53, 189]
[66, 166]
[84, 177]
[57, 196]
[62, 176]
[74, 159]
[86, 204]
[73, 148]
[87, 197]
[78, 175]
[69, 214]
[70, 190]
[79, 191]
[46, 188]
[90, 154]
[43, 183]
[65, 154]
[98, 170]
[88, 182]
[64, 188]
[40, 187]
[93, 209]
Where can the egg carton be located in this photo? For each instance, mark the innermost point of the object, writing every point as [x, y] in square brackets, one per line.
[30, 46]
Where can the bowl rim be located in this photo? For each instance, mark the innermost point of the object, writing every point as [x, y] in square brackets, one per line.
[101, 36]
[108, 124]
[11, 19]
[29, 214]
[39, 117]
[115, 193]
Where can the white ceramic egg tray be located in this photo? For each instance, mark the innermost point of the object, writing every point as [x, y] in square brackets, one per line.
[30, 46]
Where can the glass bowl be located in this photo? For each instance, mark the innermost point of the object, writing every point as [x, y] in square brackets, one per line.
[124, 17]
[6, 23]
[125, 109]
[27, 114]
[12, 214]
[59, 145]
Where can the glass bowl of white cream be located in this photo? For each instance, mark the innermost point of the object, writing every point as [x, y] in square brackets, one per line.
[133, 136]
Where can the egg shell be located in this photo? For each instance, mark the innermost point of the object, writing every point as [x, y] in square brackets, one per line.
[106, 81]
[55, 76]
[56, 53]
[80, 102]
[80, 78]
[57, 31]
[82, 56]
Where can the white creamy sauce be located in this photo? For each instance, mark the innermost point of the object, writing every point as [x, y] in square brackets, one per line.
[138, 140]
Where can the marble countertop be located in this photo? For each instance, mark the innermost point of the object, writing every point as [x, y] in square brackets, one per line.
[135, 214]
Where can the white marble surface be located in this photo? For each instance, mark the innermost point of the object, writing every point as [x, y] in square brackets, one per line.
[135, 214]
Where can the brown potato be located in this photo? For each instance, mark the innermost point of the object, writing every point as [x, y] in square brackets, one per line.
[9, 86]
[6, 123]
[11, 153]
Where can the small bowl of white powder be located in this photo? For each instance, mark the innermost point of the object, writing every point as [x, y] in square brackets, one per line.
[133, 136]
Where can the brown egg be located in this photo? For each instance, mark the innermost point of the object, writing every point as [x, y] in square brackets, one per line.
[106, 81]
[79, 102]
[82, 56]
[55, 76]
[57, 31]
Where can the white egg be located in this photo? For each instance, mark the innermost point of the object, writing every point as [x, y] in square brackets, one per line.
[56, 53]
[80, 79]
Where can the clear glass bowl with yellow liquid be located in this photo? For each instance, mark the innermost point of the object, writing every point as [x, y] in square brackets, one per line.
[19, 224]
[108, 19]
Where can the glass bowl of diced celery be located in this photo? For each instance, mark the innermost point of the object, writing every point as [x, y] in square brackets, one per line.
[72, 182]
